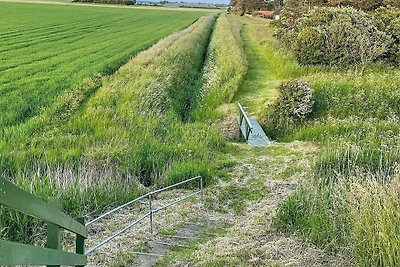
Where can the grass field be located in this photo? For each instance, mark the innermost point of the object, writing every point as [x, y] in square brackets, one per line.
[64, 109]
[47, 49]
[103, 136]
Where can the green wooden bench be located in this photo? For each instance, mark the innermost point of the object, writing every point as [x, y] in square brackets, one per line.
[12, 253]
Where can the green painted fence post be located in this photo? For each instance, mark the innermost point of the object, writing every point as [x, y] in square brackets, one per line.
[54, 231]
[80, 241]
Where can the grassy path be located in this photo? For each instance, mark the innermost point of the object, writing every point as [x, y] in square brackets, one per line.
[269, 64]
[259, 86]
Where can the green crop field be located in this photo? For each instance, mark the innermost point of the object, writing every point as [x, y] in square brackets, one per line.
[47, 49]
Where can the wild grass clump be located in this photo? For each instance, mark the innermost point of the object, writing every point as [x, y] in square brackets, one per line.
[317, 215]
[373, 93]
[376, 217]
[223, 72]
[357, 214]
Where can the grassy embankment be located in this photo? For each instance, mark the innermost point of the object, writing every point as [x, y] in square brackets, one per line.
[242, 204]
[224, 70]
[349, 203]
[92, 151]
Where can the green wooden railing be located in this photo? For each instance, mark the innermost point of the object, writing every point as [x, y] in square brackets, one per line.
[12, 253]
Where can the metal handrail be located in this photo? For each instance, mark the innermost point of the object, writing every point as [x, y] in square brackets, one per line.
[248, 126]
[119, 232]
[177, 184]
[150, 212]
[176, 201]
[116, 209]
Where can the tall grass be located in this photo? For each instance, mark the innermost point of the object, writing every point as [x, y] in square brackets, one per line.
[350, 202]
[376, 217]
[223, 72]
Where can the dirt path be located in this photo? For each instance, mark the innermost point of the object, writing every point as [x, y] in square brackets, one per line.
[232, 227]
[247, 202]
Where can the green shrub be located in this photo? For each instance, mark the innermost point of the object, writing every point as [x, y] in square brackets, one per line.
[388, 20]
[393, 3]
[366, 5]
[336, 37]
[294, 104]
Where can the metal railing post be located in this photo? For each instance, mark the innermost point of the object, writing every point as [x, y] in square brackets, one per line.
[151, 213]
[201, 189]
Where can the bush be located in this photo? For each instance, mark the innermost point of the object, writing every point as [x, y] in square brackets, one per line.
[393, 3]
[366, 5]
[294, 103]
[388, 20]
[336, 37]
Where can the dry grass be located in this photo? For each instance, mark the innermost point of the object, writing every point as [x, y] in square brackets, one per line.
[251, 240]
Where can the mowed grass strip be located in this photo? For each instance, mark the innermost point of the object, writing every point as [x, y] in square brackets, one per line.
[46, 50]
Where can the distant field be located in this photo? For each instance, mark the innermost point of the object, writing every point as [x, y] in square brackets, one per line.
[47, 49]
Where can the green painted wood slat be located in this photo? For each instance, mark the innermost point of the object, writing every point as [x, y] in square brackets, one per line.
[21, 254]
[80, 241]
[54, 231]
[16, 198]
